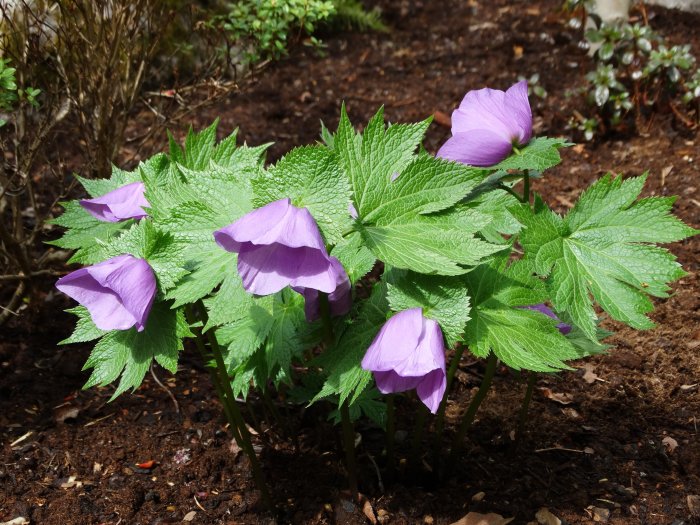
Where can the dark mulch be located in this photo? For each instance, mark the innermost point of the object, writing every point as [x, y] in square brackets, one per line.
[628, 442]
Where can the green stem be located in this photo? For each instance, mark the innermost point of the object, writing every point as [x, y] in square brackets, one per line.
[454, 364]
[417, 436]
[349, 443]
[325, 307]
[223, 388]
[510, 190]
[246, 443]
[440, 421]
[531, 380]
[526, 188]
[390, 433]
[468, 418]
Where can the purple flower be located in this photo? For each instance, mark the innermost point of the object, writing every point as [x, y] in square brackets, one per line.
[339, 300]
[121, 204]
[279, 245]
[118, 292]
[487, 124]
[543, 309]
[409, 353]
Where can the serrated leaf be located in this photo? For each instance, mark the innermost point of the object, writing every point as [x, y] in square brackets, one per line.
[443, 299]
[601, 248]
[283, 342]
[442, 243]
[129, 354]
[541, 153]
[199, 147]
[355, 257]
[118, 178]
[159, 248]
[371, 159]
[521, 338]
[85, 330]
[311, 177]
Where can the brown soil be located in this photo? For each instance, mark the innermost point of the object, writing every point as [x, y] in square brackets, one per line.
[626, 444]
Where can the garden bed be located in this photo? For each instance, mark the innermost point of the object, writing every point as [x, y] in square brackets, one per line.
[617, 441]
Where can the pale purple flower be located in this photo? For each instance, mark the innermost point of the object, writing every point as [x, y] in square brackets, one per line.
[279, 245]
[339, 300]
[118, 292]
[487, 124]
[543, 309]
[121, 204]
[408, 353]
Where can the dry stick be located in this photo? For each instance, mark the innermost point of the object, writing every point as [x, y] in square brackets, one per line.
[468, 418]
[167, 390]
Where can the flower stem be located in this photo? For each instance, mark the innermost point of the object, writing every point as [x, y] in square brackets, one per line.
[526, 188]
[390, 433]
[417, 436]
[349, 443]
[238, 421]
[479, 397]
[531, 380]
[219, 376]
[440, 421]
[325, 307]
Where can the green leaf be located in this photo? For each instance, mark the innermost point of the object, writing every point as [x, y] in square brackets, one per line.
[442, 243]
[129, 354]
[519, 337]
[541, 153]
[85, 330]
[86, 235]
[443, 299]
[159, 248]
[283, 341]
[355, 257]
[341, 363]
[311, 177]
[199, 147]
[603, 248]
[371, 159]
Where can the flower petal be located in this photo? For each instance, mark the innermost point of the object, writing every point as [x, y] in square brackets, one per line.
[276, 222]
[518, 107]
[432, 388]
[390, 382]
[126, 202]
[483, 109]
[339, 300]
[268, 269]
[428, 353]
[395, 342]
[104, 305]
[477, 147]
[564, 328]
[133, 281]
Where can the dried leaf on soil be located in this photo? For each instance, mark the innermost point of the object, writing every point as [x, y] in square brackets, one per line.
[474, 518]
[16, 521]
[544, 517]
[670, 444]
[589, 376]
[66, 412]
[694, 505]
[562, 399]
